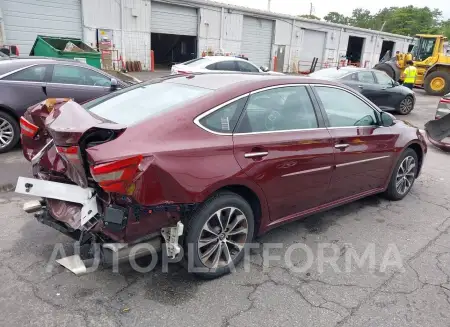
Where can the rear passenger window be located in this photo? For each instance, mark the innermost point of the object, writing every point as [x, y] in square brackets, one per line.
[366, 77]
[31, 74]
[280, 109]
[224, 120]
[229, 65]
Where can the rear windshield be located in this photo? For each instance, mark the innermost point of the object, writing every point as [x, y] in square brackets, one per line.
[196, 62]
[330, 73]
[140, 102]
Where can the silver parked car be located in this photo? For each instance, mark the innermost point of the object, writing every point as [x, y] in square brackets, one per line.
[219, 64]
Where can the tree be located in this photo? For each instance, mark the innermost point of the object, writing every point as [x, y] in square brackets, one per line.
[407, 20]
[335, 17]
[445, 28]
[309, 17]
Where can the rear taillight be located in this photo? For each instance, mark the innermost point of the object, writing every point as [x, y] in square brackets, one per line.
[183, 72]
[71, 153]
[27, 128]
[445, 100]
[117, 176]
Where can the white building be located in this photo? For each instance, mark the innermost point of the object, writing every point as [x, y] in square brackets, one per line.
[178, 30]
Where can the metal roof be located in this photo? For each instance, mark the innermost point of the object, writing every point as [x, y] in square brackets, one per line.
[273, 15]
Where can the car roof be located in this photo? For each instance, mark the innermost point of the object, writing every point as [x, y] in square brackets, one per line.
[216, 81]
[351, 69]
[223, 58]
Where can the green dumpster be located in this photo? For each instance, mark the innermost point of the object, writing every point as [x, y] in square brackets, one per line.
[50, 46]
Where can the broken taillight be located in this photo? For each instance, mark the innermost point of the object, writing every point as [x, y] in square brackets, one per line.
[117, 176]
[71, 153]
[445, 100]
[27, 128]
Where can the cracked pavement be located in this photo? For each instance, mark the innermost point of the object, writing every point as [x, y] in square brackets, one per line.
[269, 293]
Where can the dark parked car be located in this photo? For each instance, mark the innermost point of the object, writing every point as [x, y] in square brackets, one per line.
[375, 85]
[228, 156]
[25, 82]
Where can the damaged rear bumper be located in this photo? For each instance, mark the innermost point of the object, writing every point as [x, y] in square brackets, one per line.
[437, 131]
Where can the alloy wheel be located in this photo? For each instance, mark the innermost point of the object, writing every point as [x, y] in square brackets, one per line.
[6, 132]
[406, 105]
[223, 237]
[405, 175]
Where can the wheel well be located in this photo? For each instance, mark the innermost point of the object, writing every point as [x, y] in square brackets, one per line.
[418, 150]
[445, 68]
[251, 198]
[9, 111]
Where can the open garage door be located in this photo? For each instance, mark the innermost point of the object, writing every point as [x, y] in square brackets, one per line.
[313, 46]
[257, 40]
[25, 19]
[174, 34]
[172, 19]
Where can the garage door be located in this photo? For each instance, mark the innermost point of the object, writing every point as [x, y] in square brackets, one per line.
[25, 19]
[257, 40]
[172, 19]
[313, 45]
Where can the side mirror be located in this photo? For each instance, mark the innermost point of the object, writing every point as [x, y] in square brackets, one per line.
[114, 84]
[386, 119]
[394, 84]
[265, 69]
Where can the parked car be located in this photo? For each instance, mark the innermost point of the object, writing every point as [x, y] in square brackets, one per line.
[438, 130]
[219, 64]
[375, 85]
[226, 156]
[27, 81]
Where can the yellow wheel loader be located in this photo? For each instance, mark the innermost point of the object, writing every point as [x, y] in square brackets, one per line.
[431, 61]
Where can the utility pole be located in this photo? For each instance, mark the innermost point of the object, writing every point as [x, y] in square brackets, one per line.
[310, 9]
[268, 4]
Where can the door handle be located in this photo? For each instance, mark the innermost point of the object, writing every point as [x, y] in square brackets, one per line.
[360, 86]
[256, 154]
[341, 146]
[384, 88]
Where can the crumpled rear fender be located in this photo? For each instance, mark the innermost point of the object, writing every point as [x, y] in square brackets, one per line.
[437, 131]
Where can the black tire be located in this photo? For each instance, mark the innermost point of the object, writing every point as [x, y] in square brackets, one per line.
[195, 227]
[406, 105]
[15, 129]
[444, 75]
[392, 192]
[387, 69]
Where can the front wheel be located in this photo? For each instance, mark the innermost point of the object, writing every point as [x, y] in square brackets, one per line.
[406, 105]
[403, 176]
[437, 83]
[217, 235]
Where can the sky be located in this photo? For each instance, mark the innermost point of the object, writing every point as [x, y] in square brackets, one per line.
[323, 7]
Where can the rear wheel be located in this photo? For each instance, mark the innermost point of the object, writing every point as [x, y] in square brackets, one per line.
[404, 175]
[406, 105]
[437, 83]
[217, 235]
[9, 132]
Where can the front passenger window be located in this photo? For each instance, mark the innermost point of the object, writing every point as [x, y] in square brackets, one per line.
[279, 109]
[345, 109]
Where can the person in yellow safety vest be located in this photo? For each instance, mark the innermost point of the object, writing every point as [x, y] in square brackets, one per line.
[410, 75]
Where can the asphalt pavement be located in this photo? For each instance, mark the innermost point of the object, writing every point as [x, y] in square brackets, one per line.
[414, 231]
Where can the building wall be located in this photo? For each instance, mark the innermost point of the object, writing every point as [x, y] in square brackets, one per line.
[106, 14]
[221, 29]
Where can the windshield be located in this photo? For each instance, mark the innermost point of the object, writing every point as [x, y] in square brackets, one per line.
[423, 48]
[140, 102]
[195, 62]
[330, 73]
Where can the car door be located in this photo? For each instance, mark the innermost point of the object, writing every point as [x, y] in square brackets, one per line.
[79, 83]
[364, 150]
[389, 94]
[24, 88]
[280, 143]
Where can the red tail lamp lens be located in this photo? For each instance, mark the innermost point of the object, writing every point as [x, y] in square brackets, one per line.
[71, 153]
[27, 128]
[117, 176]
[445, 100]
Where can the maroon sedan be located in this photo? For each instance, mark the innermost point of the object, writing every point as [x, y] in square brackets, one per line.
[211, 161]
